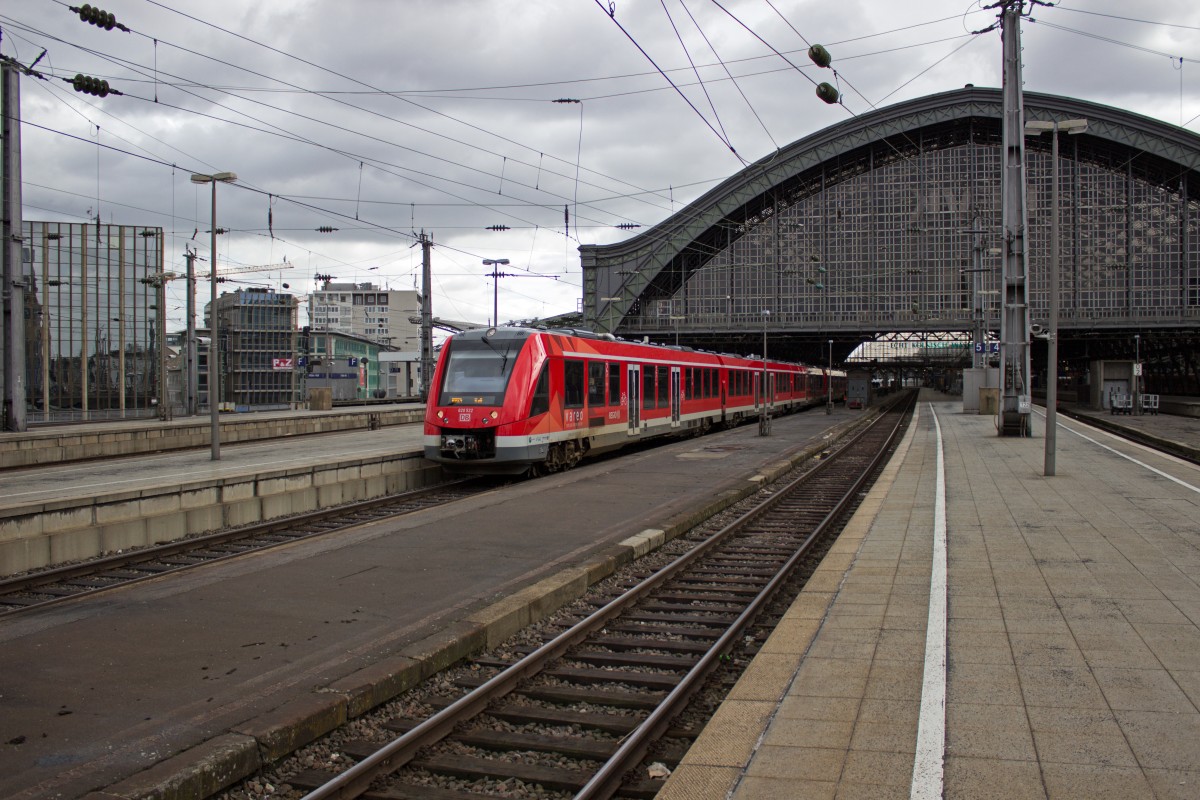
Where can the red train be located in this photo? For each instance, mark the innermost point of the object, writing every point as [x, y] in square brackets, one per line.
[514, 400]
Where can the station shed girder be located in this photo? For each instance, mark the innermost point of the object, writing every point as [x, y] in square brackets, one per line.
[890, 222]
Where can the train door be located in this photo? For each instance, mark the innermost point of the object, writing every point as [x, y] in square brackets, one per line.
[769, 394]
[674, 397]
[634, 374]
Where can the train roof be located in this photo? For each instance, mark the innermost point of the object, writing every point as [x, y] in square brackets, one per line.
[516, 333]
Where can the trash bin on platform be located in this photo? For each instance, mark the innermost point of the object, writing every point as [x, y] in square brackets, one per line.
[320, 398]
[989, 400]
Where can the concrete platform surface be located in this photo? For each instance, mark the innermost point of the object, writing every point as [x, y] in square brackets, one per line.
[183, 684]
[983, 631]
[100, 439]
[116, 476]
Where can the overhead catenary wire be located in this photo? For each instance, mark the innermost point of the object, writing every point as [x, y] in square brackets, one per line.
[691, 105]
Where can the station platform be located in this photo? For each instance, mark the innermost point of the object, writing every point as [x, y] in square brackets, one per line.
[53, 514]
[983, 631]
[101, 439]
[177, 687]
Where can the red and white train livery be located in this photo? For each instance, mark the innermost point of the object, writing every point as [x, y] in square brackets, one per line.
[514, 400]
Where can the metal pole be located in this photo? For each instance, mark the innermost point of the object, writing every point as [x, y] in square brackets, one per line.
[190, 344]
[1137, 361]
[214, 343]
[829, 381]
[1052, 339]
[1014, 327]
[764, 418]
[14, 286]
[426, 317]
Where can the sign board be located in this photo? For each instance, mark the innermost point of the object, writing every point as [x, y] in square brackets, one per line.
[352, 361]
[1137, 369]
[281, 363]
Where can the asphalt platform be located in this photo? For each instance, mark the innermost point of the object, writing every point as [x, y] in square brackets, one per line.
[179, 686]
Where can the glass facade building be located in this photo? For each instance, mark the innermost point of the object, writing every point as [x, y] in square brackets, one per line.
[93, 330]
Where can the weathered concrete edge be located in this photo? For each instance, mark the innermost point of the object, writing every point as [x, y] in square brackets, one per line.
[191, 775]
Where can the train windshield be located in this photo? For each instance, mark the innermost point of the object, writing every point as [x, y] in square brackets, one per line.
[478, 370]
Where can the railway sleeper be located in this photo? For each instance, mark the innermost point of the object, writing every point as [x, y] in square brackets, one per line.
[312, 779]
[532, 715]
[572, 695]
[474, 768]
[599, 657]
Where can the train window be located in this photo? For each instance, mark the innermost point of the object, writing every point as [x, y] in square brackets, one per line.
[614, 384]
[572, 384]
[541, 392]
[477, 371]
[687, 383]
[595, 383]
[647, 386]
[663, 382]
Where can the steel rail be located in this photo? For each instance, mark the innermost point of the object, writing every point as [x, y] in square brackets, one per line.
[633, 749]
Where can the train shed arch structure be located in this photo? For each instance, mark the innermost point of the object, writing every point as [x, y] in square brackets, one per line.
[890, 224]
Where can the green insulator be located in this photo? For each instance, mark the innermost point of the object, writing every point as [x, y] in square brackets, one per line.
[820, 56]
[826, 92]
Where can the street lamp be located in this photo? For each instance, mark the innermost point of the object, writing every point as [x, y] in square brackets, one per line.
[829, 381]
[1137, 363]
[495, 264]
[1038, 127]
[214, 348]
[764, 418]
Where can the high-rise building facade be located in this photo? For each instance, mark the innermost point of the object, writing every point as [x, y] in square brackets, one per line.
[363, 309]
[257, 331]
[93, 328]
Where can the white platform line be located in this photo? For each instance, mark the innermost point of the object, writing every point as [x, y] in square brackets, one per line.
[927, 777]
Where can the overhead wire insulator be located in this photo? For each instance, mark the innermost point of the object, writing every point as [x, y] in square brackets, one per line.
[828, 93]
[89, 85]
[820, 56]
[326, 229]
[94, 15]
[496, 228]
[628, 226]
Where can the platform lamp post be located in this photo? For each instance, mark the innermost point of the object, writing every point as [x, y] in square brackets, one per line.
[829, 382]
[764, 418]
[214, 346]
[1039, 127]
[495, 264]
[1137, 369]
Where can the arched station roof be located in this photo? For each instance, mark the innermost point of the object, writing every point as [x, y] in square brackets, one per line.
[654, 263]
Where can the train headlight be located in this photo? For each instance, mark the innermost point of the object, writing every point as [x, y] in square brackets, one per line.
[494, 415]
[440, 414]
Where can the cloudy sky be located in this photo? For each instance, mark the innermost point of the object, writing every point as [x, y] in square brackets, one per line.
[382, 119]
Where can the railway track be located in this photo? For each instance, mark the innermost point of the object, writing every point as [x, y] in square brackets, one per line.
[583, 714]
[1125, 431]
[46, 587]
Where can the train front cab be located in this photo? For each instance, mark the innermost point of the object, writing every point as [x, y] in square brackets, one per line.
[481, 391]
